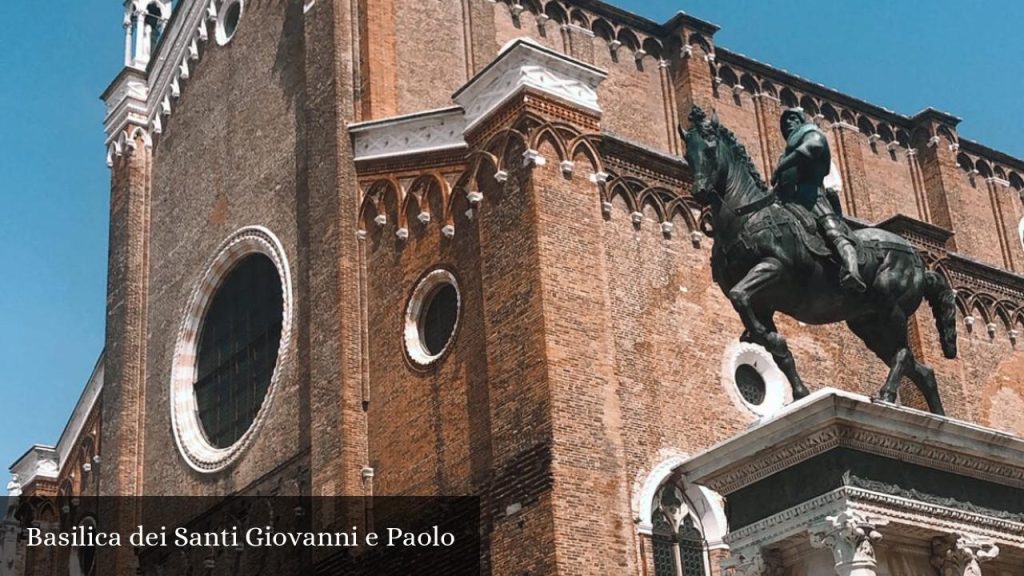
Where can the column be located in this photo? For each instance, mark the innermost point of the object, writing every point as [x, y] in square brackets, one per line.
[961, 554]
[850, 536]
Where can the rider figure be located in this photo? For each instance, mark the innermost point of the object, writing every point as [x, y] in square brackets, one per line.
[798, 178]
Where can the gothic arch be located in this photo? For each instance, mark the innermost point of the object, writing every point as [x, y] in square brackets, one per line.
[707, 504]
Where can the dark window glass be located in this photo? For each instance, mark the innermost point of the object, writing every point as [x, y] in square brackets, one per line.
[438, 322]
[691, 548]
[662, 543]
[231, 19]
[238, 349]
[751, 384]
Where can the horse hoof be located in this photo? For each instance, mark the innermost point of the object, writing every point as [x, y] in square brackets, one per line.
[884, 398]
[800, 392]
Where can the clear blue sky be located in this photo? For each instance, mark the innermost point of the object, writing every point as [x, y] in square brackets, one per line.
[964, 58]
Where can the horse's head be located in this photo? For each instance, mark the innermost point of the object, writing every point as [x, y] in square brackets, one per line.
[702, 152]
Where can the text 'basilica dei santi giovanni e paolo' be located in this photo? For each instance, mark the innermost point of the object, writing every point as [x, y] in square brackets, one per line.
[454, 248]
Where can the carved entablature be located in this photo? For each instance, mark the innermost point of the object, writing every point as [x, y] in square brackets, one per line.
[833, 419]
[848, 473]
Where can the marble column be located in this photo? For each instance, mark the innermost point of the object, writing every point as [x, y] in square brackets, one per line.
[961, 554]
[850, 536]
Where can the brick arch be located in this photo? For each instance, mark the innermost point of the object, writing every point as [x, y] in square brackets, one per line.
[603, 30]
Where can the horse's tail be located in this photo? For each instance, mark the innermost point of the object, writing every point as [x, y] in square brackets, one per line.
[940, 297]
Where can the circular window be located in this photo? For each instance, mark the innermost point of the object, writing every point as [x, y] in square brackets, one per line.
[432, 317]
[751, 384]
[227, 23]
[753, 381]
[230, 347]
[238, 349]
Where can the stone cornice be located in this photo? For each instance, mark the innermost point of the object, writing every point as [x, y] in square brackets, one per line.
[901, 513]
[431, 131]
[829, 419]
[46, 462]
[523, 64]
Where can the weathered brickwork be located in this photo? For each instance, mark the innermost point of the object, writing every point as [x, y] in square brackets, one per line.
[591, 338]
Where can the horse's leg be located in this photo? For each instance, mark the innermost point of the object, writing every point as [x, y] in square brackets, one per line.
[924, 378]
[886, 336]
[742, 295]
[783, 357]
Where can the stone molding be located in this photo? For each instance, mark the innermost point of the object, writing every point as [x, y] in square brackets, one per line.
[189, 437]
[894, 510]
[831, 419]
[524, 64]
[420, 133]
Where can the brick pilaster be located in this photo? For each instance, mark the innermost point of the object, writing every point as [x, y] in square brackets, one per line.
[331, 318]
[124, 387]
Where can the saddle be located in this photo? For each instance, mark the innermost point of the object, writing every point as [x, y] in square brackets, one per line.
[806, 229]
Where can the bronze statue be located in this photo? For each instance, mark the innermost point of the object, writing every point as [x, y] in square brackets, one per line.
[798, 179]
[767, 258]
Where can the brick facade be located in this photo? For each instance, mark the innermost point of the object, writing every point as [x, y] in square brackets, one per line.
[591, 338]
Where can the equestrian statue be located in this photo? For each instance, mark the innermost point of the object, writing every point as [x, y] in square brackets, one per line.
[787, 248]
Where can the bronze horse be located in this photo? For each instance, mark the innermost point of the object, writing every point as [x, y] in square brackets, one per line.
[766, 260]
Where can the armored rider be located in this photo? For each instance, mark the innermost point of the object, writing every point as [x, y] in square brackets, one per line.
[798, 178]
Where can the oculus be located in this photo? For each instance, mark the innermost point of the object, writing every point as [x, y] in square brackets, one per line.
[230, 349]
[753, 381]
[227, 20]
[432, 316]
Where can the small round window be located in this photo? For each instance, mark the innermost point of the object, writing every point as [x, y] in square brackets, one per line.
[752, 380]
[227, 23]
[432, 317]
[750, 383]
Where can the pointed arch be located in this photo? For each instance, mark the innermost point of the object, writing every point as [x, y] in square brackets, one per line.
[629, 39]
[556, 12]
[727, 76]
[829, 112]
[983, 168]
[578, 18]
[787, 98]
[809, 105]
[749, 83]
[603, 30]
[653, 48]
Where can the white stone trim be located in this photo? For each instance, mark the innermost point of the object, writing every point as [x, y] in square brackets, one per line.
[431, 131]
[221, 34]
[777, 392]
[423, 292]
[523, 63]
[707, 506]
[188, 432]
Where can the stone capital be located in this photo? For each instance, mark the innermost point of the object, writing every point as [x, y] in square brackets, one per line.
[961, 554]
[850, 536]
